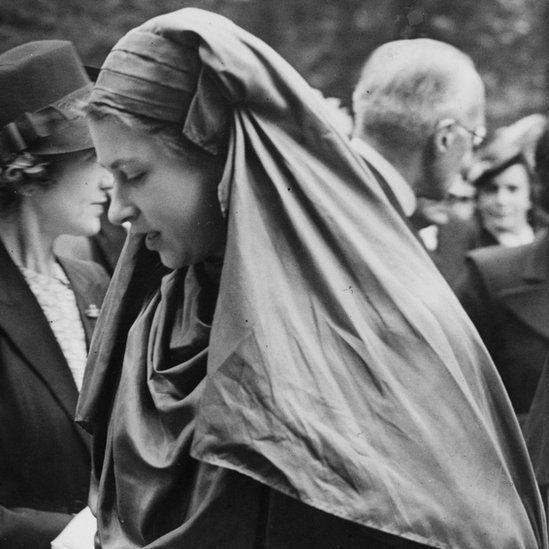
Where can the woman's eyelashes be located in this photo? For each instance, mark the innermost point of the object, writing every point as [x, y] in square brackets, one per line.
[131, 178]
[134, 179]
[89, 156]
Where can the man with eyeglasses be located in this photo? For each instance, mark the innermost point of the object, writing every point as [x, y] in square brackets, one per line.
[419, 117]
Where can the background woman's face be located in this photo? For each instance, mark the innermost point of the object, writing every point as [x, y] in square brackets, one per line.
[170, 199]
[504, 201]
[74, 204]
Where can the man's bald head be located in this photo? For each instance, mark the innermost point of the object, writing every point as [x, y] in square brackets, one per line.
[408, 86]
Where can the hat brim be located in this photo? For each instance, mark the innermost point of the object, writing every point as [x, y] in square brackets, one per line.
[69, 136]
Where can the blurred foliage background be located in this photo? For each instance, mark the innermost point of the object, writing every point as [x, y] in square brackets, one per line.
[328, 40]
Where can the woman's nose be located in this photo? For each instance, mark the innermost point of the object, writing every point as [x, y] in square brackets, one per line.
[106, 183]
[120, 209]
[502, 196]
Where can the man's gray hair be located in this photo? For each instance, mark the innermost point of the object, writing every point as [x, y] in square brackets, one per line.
[406, 87]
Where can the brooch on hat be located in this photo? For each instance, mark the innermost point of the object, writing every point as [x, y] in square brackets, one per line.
[92, 311]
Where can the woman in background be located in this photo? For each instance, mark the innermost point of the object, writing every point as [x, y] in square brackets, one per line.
[506, 186]
[504, 292]
[504, 204]
[50, 184]
[536, 431]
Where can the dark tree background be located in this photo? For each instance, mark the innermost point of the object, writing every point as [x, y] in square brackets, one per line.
[328, 40]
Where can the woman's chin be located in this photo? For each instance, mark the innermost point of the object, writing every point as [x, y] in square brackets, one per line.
[175, 257]
[88, 229]
[171, 260]
[91, 229]
[500, 226]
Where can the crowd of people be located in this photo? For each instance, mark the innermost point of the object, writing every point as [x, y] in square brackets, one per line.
[315, 335]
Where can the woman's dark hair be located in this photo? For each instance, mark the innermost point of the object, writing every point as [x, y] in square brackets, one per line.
[541, 158]
[18, 172]
[489, 174]
[535, 217]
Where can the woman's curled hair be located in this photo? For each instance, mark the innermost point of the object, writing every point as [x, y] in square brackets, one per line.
[17, 172]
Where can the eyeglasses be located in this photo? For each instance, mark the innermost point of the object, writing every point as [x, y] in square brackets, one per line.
[478, 135]
[456, 199]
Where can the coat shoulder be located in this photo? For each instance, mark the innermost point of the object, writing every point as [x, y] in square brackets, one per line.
[85, 274]
[89, 269]
[500, 267]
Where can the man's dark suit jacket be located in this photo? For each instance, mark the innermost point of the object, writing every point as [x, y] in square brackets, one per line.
[506, 294]
[454, 240]
[44, 455]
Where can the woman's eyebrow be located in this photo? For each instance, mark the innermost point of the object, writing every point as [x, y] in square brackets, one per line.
[116, 164]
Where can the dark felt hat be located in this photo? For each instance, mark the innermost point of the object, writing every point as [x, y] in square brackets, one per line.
[43, 88]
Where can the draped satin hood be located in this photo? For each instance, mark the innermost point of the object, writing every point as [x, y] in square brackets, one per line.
[342, 371]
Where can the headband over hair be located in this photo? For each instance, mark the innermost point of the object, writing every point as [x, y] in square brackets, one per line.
[151, 76]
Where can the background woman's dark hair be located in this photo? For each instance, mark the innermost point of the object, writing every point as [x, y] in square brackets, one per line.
[541, 159]
[488, 175]
[540, 203]
[17, 173]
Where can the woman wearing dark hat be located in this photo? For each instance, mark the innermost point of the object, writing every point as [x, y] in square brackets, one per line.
[50, 185]
[299, 410]
[103, 247]
[505, 183]
[536, 298]
[504, 287]
[504, 204]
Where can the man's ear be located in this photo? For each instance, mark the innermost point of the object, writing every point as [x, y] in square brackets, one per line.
[443, 139]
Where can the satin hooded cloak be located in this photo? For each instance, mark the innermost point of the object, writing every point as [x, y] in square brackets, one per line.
[341, 370]
[536, 431]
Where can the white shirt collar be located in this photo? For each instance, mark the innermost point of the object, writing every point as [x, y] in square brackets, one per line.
[400, 187]
[510, 240]
[429, 236]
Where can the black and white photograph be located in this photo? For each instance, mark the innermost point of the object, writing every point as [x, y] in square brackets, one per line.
[274, 274]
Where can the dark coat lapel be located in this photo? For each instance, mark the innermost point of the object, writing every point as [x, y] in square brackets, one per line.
[391, 197]
[393, 200]
[529, 301]
[25, 325]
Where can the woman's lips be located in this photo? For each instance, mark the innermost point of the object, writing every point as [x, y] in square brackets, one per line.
[99, 207]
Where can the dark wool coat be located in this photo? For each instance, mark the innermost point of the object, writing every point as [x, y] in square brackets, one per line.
[506, 294]
[44, 455]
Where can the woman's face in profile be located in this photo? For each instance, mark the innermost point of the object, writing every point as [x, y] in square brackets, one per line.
[74, 204]
[168, 198]
[504, 201]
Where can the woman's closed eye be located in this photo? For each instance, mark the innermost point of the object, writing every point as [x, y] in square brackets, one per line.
[90, 155]
[131, 178]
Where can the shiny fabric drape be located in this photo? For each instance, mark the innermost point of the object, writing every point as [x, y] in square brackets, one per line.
[536, 430]
[342, 371]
